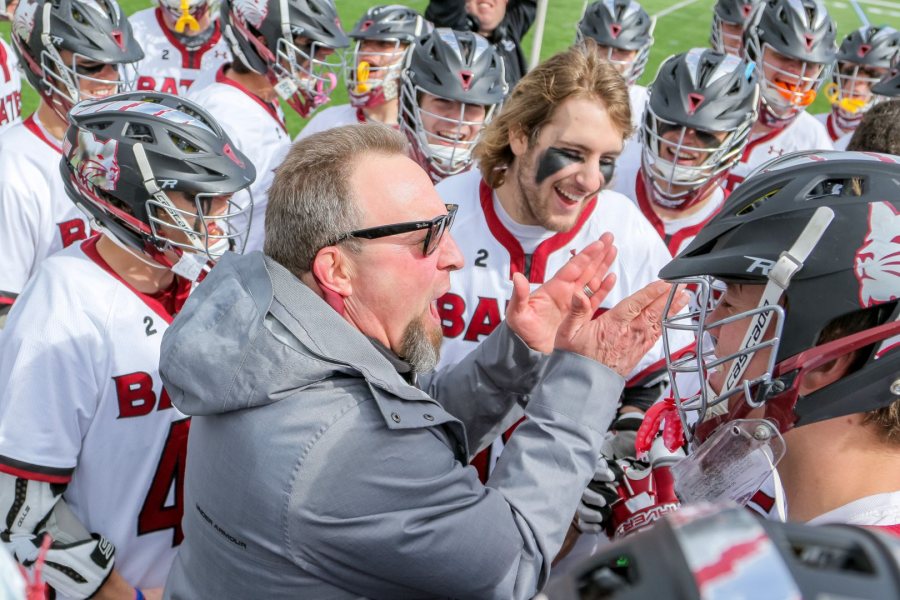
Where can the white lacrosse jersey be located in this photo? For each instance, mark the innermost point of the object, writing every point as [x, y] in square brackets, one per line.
[10, 87]
[842, 142]
[331, 117]
[831, 126]
[257, 129]
[495, 247]
[81, 402]
[677, 233]
[169, 66]
[804, 133]
[37, 218]
[637, 96]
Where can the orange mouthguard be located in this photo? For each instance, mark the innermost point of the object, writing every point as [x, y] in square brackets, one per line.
[793, 94]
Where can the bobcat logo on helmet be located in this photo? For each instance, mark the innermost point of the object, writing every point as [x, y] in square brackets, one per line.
[95, 162]
[252, 11]
[877, 262]
[23, 20]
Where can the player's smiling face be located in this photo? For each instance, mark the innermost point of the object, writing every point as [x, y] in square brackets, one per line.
[447, 120]
[571, 160]
[381, 53]
[95, 79]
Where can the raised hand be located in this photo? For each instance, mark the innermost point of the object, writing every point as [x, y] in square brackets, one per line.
[620, 337]
[536, 316]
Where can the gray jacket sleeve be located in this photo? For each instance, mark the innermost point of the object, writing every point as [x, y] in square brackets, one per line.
[488, 388]
[387, 512]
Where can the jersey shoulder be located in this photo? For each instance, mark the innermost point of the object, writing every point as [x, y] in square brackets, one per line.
[68, 282]
[464, 190]
[20, 149]
[144, 20]
[808, 133]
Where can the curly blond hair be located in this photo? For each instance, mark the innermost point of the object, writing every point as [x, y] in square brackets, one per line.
[581, 72]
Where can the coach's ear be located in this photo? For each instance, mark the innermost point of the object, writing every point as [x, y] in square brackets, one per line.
[518, 140]
[331, 277]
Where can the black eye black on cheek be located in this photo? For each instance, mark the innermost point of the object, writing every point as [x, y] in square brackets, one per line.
[552, 161]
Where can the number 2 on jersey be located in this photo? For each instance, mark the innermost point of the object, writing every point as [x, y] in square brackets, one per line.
[155, 515]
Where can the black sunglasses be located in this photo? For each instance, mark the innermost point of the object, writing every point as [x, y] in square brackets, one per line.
[89, 68]
[436, 228]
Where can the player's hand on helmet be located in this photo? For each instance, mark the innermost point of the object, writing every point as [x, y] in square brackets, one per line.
[536, 316]
[622, 336]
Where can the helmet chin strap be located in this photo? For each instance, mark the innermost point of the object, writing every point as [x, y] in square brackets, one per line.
[189, 265]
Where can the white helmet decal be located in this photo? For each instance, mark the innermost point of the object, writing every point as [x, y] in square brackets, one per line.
[23, 20]
[252, 11]
[96, 162]
[877, 262]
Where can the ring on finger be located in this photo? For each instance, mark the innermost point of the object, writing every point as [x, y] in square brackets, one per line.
[588, 291]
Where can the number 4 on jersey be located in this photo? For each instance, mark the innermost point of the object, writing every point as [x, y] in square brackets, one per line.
[156, 515]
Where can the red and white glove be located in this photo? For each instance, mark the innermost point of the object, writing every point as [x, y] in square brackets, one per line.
[646, 491]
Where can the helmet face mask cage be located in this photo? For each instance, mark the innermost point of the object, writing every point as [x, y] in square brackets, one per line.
[619, 26]
[784, 94]
[372, 85]
[701, 109]
[189, 11]
[63, 82]
[674, 185]
[157, 174]
[735, 14]
[91, 31]
[299, 49]
[633, 68]
[207, 235]
[697, 407]
[725, 41]
[440, 154]
[850, 103]
[305, 76]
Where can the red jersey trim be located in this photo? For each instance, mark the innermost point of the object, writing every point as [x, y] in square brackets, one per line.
[894, 529]
[516, 254]
[752, 144]
[190, 59]
[17, 468]
[673, 243]
[89, 247]
[31, 125]
[269, 108]
[829, 125]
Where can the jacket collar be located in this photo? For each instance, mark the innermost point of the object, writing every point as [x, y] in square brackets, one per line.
[332, 339]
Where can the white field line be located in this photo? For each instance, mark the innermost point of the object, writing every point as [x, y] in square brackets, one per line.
[673, 8]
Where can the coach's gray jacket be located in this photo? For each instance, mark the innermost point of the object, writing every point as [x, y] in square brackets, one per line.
[316, 471]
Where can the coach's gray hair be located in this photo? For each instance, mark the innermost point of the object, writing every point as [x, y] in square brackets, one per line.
[311, 203]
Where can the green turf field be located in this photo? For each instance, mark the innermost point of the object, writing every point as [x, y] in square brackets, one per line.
[680, 25]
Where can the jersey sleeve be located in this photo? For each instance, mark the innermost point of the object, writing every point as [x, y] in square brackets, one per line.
[51, 356]
[19, 233]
